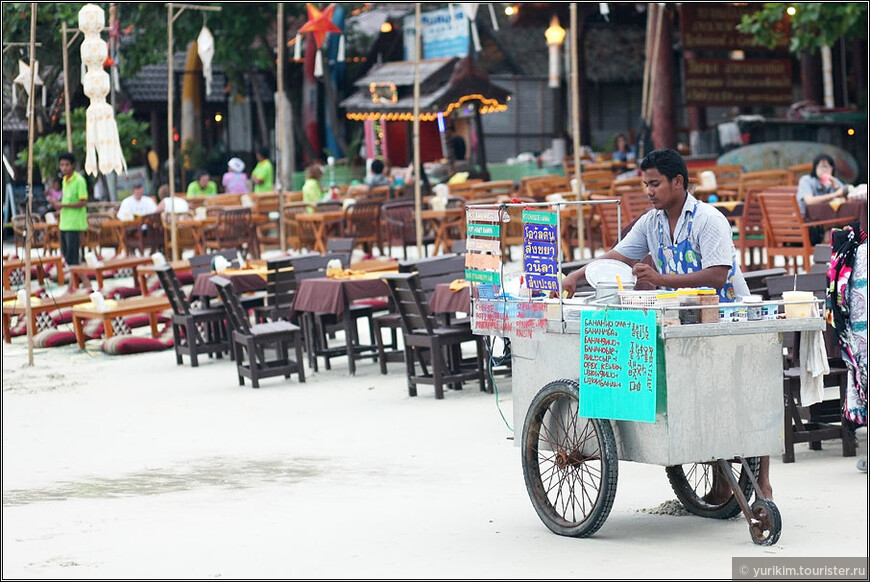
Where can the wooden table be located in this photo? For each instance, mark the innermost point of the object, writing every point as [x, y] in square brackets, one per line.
[375, 265]
[320, 221]
[10, 265]
[150, 305]
[443, 300]
[324, 295]
[846, 210]
[84, 272]
[42, 305]
[442, 220]
[244, 280]
[142, 272]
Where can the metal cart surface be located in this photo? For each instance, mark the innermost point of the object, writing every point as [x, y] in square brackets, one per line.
[718, 409]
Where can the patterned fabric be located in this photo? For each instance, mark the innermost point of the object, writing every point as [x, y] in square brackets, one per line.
[123, 345]
[51, 338]
[847, 312]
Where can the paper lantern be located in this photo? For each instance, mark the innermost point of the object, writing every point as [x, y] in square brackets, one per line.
[103, 147]
[205, 50]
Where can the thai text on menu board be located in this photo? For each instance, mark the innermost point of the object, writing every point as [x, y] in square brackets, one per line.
[618, 364]
[540, 251]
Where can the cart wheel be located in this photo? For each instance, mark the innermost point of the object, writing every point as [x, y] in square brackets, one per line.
[767, 523]
[694, 483]
[570, 464]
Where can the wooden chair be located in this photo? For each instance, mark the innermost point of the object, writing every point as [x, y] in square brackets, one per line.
[430, 345]
[618, 187]
[786, 233]
[635, 203]
[195, 331]
[234, 229]
[318, 327]
[342, 246]
[100, 235]
[400, 227]
[300, 235]
[280, 292]
[432, 270]
[362, 222]
[491, 188]
[148, 234]
[727, 180]
[252, 341]
[761, 180]
[463, 189]
[539, 187]
[609, 219]
[188, 238]
[796, 171]
[823, 420]
[596, 182]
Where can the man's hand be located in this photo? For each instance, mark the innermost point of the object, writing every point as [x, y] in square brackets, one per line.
[569, 284]
[646, 274]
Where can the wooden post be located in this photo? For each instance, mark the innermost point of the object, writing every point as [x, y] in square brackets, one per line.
[28, 209]
[417, 166]
[170, 97]
[279, 156]
[575, 122]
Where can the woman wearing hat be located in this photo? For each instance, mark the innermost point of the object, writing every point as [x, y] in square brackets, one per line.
[235, 181]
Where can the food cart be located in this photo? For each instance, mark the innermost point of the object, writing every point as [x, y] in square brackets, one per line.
[596, 381]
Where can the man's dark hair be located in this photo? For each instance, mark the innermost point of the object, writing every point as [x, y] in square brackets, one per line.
[264, 151]
[377, 167]
[668, 162]
[826, 158]
[68, 156]
[202, 173]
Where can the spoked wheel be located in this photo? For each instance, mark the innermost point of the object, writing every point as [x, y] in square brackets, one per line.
[706, 493]
[570, 464]
[767, 523]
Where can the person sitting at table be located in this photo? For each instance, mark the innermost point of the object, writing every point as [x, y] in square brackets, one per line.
[377, 177]
[692, 246]
[820, 185]
[137, 204]
[622, 150]
[235, 180]
[202, 186]
[311, 192]
[171, 203]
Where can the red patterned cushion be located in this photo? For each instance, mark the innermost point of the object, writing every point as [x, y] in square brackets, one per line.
[375, 304]
[51, 338]
[129, 344]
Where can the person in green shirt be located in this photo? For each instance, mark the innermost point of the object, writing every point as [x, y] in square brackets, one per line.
[73, 209]
[311, 192]
[202, 186]
[263, 175]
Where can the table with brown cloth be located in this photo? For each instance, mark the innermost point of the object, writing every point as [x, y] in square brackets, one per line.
[849, 208]
[444, 300]
[325, 295]
[244, 280]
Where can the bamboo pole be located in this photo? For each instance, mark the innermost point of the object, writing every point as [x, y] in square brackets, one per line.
[28, 209]
[66, 106]
[170, 105]
[417, 169]
[279, 157]
[575, 123]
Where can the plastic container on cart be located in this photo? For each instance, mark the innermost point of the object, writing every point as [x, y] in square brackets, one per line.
[709, 301]
[638, 298]
[688, 300]
[753, 307]
[670, 302]
[798, 304]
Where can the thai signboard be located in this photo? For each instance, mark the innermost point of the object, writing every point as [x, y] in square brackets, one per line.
[712, 82]
[713, 26]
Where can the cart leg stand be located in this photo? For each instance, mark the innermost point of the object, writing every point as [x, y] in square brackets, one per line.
[765, 523]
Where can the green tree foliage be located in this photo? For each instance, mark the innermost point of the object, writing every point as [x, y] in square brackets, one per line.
[134, 136]
[813, 25]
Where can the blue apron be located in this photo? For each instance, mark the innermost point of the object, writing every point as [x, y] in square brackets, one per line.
[681, 259]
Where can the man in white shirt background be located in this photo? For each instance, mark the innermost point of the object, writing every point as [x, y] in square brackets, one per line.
[137, 204]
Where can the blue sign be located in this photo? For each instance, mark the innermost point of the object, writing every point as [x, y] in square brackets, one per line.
[539, 232]
[541, 282]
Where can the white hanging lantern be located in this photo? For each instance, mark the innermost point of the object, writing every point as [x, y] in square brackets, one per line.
[103, 147]
[23, 79]
[205, 50]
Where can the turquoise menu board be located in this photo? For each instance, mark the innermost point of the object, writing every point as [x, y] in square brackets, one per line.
[618, 364]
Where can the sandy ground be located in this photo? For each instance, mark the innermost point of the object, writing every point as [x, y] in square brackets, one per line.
[133, 467]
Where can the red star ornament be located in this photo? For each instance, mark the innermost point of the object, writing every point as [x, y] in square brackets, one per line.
[320, 23]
